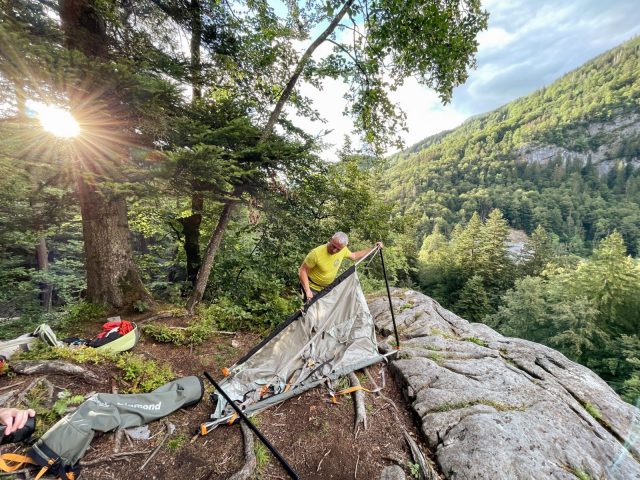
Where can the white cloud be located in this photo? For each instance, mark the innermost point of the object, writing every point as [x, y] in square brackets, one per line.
[493, 38]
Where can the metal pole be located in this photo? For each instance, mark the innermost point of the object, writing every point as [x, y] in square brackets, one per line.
[393, 317]
[292, 473]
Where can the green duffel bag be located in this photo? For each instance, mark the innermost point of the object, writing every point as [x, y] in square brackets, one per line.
[61, 448]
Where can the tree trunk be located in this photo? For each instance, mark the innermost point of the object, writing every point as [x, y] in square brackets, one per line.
[191, 231]
[191, 224]
[112, 277]
[210, 254]
[196, 41]
[42, 257]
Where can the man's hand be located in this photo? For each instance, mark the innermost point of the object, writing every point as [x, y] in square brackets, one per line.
[14, 419]
[379, 245]
[309, 295]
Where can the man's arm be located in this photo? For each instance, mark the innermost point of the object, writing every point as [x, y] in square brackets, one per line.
[355, 256]
[303, 275]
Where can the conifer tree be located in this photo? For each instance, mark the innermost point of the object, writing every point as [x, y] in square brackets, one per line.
[473, 302]
[537, 252]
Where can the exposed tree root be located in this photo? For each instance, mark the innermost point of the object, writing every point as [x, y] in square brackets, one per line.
[358, 402]
[250, 461]
[54, 367]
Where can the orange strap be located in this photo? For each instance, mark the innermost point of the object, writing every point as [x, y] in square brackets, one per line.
[18, 461]
[348, 390]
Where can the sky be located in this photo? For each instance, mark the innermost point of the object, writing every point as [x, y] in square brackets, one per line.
[528, 44]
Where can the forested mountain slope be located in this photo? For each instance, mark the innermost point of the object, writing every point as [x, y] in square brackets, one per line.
[565, 157]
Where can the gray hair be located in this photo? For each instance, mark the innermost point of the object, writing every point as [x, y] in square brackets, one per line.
[341, 237]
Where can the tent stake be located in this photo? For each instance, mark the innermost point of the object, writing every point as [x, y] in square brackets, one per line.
[393, 317]
[253, 428]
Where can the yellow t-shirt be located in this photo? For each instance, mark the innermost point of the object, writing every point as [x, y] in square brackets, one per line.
[324, 267]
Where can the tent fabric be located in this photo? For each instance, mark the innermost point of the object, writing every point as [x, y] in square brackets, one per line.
[24, 343]
[67, 441]
[333, 335]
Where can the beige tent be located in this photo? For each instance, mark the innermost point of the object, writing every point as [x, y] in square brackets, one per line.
[333, 335]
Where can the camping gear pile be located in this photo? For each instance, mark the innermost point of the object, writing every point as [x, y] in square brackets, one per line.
[116, 336]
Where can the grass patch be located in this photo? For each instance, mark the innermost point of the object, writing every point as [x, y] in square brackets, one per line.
[436, 332]
[477, 341]
[174, 444]
[593, 411]
[581, 474]
[406, 306]
[262, 457]
[500, 407]
[197, 331]
[436, 357]
[414, 470]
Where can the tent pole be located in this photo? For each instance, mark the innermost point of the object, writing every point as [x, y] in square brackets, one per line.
[292, 473]
[393, 317]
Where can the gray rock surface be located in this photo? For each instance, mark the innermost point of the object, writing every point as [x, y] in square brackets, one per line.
[392, 472]
[616, 130]
[493, 407]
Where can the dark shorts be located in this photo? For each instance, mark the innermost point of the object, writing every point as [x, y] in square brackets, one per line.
[303, 294]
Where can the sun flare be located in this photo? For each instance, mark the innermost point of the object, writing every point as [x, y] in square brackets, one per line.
[55, 120]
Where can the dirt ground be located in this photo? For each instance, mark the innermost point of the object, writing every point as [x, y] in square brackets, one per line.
[314, 434]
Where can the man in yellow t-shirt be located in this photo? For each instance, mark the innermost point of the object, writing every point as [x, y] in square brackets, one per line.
[321, 265]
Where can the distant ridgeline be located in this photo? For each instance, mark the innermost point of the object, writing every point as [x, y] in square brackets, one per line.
[566, 157]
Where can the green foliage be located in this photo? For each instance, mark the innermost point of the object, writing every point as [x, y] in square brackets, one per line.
[80, 313]
[48, 415]
[482, 165]
[500, 407]
[586, 311]
[165, 334]
[477, 341]
[472, 269]
[140, 306]
[142, 375]
[414, 470]
[138, 374]
[197, 331]
[473, 302]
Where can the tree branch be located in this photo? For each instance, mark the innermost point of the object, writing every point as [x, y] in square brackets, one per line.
[275, 114]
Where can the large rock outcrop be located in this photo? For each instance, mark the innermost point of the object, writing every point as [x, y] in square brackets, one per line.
[493, 407]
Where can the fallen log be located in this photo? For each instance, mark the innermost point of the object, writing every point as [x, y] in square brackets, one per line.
[54, 367]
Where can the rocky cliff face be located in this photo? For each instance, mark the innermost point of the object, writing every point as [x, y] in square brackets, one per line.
[493, 407]
[618, 129]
